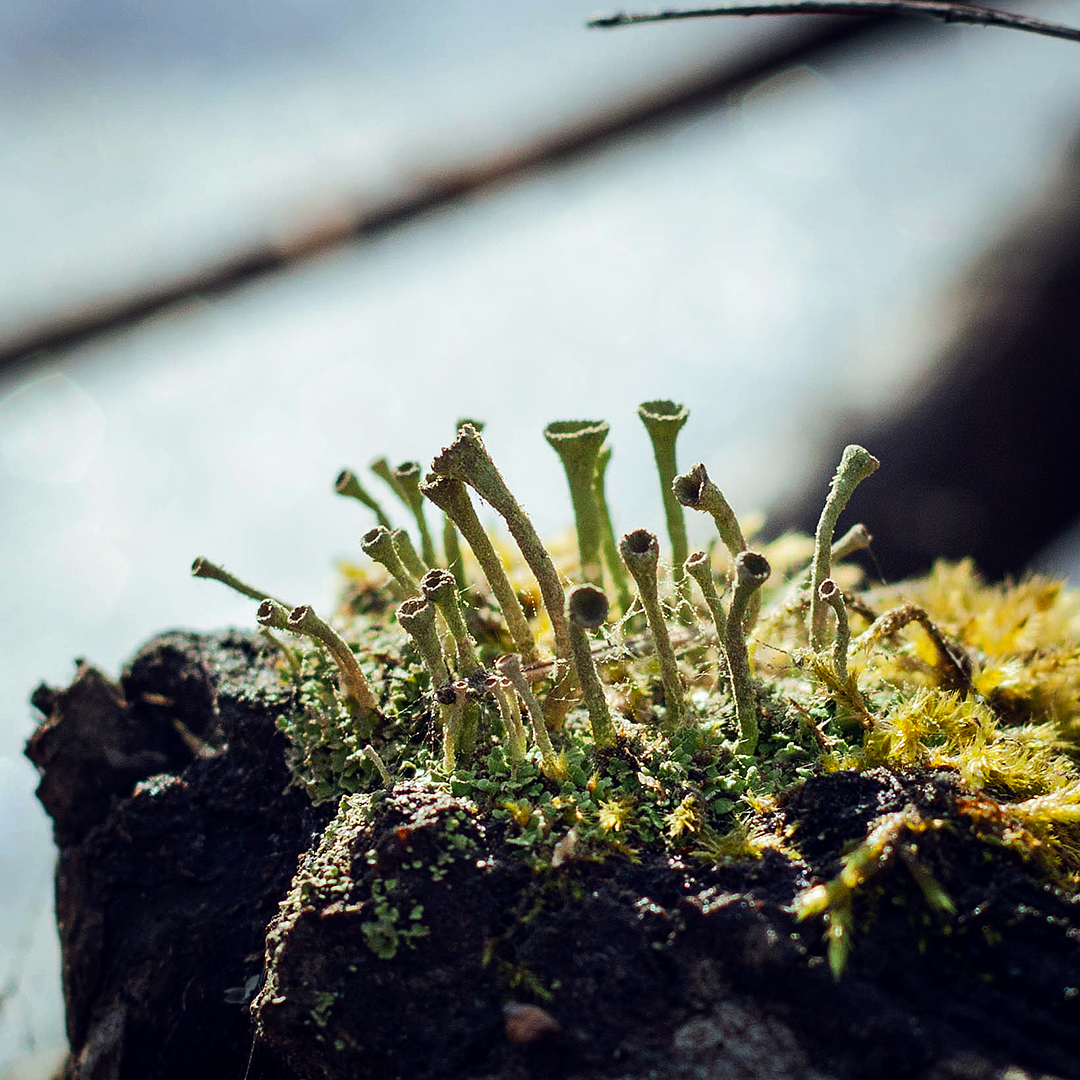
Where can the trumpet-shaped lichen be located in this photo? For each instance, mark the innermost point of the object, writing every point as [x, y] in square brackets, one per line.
[680, 739]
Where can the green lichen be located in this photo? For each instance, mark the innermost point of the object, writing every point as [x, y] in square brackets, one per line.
[320, 1015]
[706, 735]
[393, 924]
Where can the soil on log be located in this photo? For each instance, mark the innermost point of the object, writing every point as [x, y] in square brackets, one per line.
[177, 833]
[416, 940]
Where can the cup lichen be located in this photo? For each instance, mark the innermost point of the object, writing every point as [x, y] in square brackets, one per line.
[408, 477]
[612, 560]
[578, 442]
[348, 484]
[641, 553]
[378, 544]
[586, 609]
[945, 673]
[664, 420]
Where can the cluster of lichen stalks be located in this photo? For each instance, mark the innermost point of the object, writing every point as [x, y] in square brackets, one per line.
[988, 690]
[431, 595]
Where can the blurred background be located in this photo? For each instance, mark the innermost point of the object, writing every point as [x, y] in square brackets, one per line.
[245, 245]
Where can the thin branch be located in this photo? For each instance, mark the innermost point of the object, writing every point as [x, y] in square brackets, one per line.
[934, 9]
[680, 95]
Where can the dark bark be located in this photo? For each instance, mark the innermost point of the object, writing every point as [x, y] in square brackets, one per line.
[172, 857]
[417, 940]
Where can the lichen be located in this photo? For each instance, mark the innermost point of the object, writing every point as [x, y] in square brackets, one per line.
[945, 673]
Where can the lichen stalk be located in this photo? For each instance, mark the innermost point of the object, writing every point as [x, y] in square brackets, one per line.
[586, 609]
[516, 743]
[615, 568]
[640, 551]
[204, 568]
[416, 616]
[451, 496]
[354, 685]
[290, 654]
[378, 544]
[857, 538]
[469, 722]
[467, 459]
[403, 545]
[832, 594]
[515, 703]
[273, 615]
[664, 420]
[408, 475]
[380, 766]
[699, 568]
[348, 484]
[452, 553]
[440, 588]
[855, 466]
[695, 490]
[451, 699]
[510, 666]
[382, 469]
[578, 442]
[751, 572]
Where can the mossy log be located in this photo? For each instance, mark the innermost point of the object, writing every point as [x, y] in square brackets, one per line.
[419, 939]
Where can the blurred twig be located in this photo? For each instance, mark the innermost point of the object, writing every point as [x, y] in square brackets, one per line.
[945, 12]
[680, 95]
